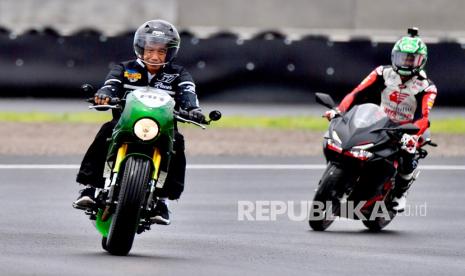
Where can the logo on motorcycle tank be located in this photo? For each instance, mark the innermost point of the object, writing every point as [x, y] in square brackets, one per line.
[397, 97]
[132, 75]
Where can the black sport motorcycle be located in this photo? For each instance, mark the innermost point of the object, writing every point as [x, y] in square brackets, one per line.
[362, 149]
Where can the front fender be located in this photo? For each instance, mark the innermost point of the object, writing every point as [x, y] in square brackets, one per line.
[140, 155]
[155, 161]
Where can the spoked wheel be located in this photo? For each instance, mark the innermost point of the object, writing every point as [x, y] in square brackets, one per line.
[126, 218]
[325, 203]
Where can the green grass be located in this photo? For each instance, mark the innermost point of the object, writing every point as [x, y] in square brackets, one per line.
[311, 123]
[449, 125]
[298, 122]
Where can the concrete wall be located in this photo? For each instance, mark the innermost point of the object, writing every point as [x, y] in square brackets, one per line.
[442, 15]
[267, 13]
[437, 17]
[339, 14]
[110, 16]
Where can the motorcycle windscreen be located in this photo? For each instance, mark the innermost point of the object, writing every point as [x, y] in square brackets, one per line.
[355, 128]
[367, 115]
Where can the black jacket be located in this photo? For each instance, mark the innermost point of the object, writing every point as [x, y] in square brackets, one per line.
[173, 78]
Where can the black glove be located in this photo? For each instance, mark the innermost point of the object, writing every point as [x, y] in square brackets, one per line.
[196, 115]
[103, 93]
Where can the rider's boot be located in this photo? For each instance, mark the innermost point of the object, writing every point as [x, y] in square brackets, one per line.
[86, 198]
[161, 213]
[402, 185]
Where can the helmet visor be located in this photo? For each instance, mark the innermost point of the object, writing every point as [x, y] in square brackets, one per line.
[153, 42]
[406, 60]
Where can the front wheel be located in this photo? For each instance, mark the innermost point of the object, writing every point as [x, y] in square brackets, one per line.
[125, 221]
[325, 202]
[381, 221]
[104, 243]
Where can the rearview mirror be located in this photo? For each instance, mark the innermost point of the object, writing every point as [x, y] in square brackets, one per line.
[215, 115]
[325, 100]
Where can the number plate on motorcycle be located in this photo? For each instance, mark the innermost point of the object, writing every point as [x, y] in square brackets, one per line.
[152, 97]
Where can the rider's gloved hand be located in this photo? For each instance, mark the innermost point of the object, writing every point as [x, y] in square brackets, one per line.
[104, 95]
[409, 143]
[330, 114]
[183, 113]
[197, 115]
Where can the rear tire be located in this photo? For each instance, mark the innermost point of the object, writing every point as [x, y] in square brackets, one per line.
[125, 221]
[326, 192]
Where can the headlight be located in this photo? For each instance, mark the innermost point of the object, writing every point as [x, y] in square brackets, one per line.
[359, 154]
[146, 129]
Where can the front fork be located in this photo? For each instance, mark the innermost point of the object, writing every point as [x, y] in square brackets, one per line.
[157, 180]
[102, 214]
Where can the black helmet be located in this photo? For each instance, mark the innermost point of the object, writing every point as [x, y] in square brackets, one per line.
[159, 32]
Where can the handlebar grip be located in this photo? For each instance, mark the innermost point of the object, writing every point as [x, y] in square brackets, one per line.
[114, 101]
[205, 122]
[182, 113]
[186, 116]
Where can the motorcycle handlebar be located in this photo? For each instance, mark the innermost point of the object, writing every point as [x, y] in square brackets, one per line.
[113, 101]
[185, 116]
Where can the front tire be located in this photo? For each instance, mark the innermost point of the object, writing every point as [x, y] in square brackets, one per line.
[104, 243]
[379, 223]
[326, 192]
[125, 221]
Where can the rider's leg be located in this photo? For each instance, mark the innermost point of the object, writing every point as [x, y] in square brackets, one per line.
[92, 166]
[174, 184]
[406, 174]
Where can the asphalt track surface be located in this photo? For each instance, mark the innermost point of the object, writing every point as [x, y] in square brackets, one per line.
[40, 234]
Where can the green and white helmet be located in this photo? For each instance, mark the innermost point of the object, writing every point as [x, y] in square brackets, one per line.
[409, 54]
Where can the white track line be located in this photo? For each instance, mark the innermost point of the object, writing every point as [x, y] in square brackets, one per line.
[222, 167]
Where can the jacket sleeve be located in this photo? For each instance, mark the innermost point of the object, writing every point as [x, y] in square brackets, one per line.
[427, 102]
[371, 84]
[186, 98]
[114, 81]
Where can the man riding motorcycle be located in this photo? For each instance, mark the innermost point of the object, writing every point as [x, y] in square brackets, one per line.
[406, 96]
[156, 44]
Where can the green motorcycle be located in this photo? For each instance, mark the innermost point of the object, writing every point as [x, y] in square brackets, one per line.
[137, 162]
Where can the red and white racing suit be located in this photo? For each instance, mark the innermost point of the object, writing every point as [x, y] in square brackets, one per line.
[406, 102]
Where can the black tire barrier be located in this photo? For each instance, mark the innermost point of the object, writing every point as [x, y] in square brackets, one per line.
[43, 63]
